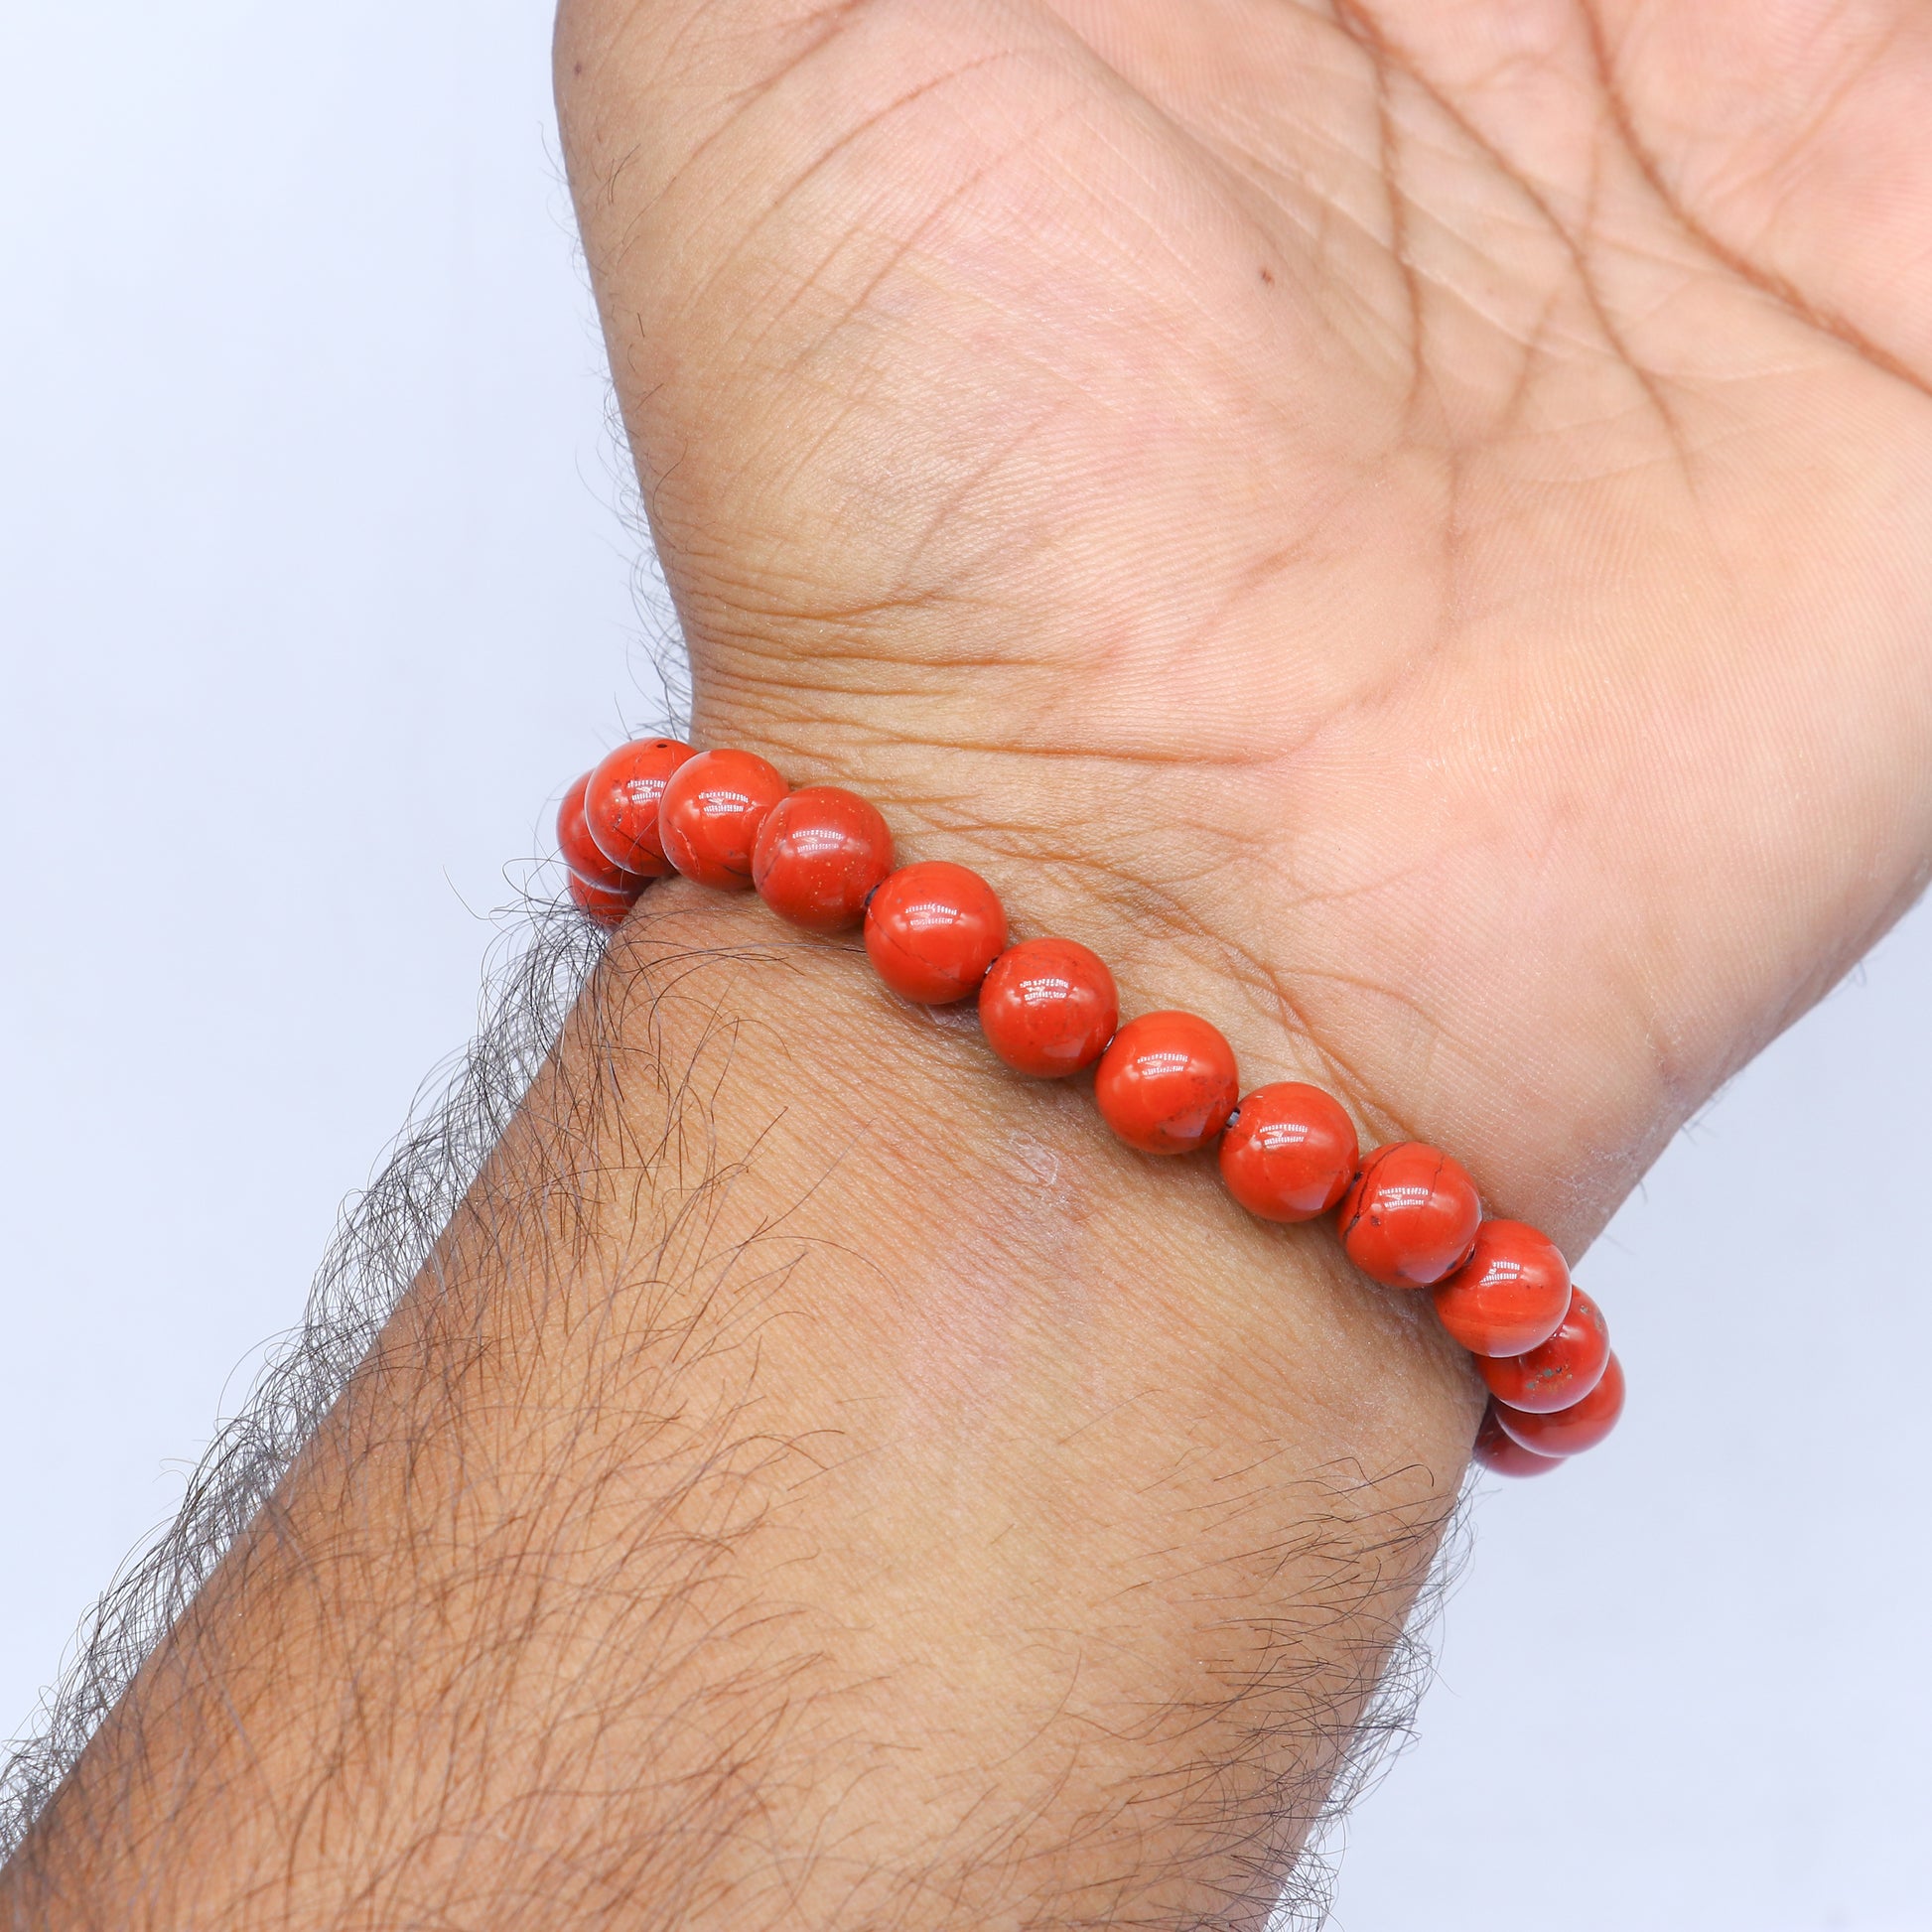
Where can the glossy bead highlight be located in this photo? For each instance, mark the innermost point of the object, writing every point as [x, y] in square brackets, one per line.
[620, 802]
[1168, 1083]
[1048, 1006]
[581, 854]
[712, 811]
[1411, 1215]
[819, 855]
[1560, 1372]
[607, 908]
[1510, 1296]
[1290, 1152]
[1495, 1450]
[1571, 1431]
[933, 930]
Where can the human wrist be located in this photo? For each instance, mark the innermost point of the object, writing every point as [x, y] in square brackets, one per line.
[1555, 1113]
[792, 1369]
[1101, 1398]
[827, 1065]
[1166, 1082]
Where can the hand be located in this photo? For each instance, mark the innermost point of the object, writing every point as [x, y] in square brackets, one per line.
[1404, 529]
[1404, 525]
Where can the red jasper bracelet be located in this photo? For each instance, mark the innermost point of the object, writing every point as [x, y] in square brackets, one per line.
[1164, 1083]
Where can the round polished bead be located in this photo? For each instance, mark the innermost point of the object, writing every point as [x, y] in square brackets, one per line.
[1500, 1452]
[621, 803]
[1568, 1432]
[712, 811]
[607, 908]
[1560, 1372]
[1048, 1006]
[1168, 1083]
[1511, 1294]
[581, 851]
[1290, 1152]
[932, 930]
[1411, 1215]
[819, 854]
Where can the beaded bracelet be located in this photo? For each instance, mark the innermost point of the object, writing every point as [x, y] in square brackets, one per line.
[1166, 1082]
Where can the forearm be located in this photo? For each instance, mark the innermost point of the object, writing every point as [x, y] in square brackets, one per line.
[824, 1481]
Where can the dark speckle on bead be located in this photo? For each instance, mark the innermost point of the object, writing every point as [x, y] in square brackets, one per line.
[1048, 1006]
[1509, 1296]
[1558, 1372]
[1573, 1430]
[710, 813]
[1289, 1151]
[820, 855]
[1168, 1083]
[581, 854]
[933, 930]
[620, 802]
[1411, 1215]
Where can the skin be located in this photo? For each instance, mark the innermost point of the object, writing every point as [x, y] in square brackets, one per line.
[1405, 529]
[1343, 508]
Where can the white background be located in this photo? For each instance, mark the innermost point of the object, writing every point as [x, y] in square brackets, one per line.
[314, 587]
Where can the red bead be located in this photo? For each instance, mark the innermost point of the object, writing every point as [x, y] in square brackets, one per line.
[1496, 1450]
[1411, 1215]
[1568, 1432]
[932, 930]
[1048, 1006]
[710, 814]
[1290, 1152]
[581, 854]
[607, 908]
[819, 854]
[1168, 1083]
[1510, 1296]
[1562, 1371]
[621, 805]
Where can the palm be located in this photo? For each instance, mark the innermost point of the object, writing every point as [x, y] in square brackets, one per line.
[1444, 487]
